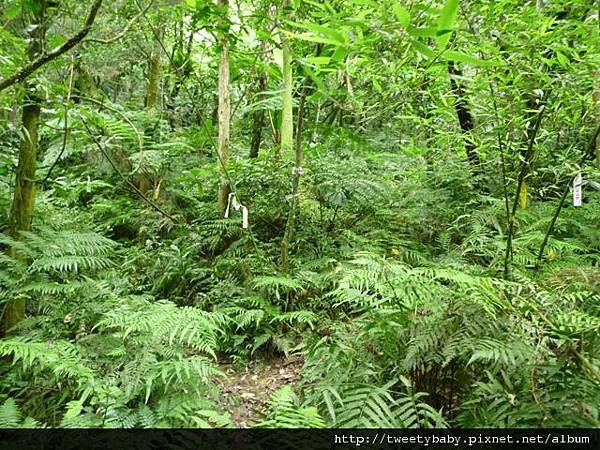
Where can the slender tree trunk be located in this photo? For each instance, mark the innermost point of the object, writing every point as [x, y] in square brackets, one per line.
[258, 120]
[597, 105]
[532, 105]
[287, 144]
[116, 90]
[214, 114]
[23, 203]
[181, 63]
[297, 170]
[296, 174]
[224, 113]
[153, 95]
[465, 119]
[143, 179]
[14, 115]
[523, 171]
[550, 229]
[330, 118]
[176, 66]
[287, 116]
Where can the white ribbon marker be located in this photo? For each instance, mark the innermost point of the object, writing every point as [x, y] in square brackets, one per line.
[577, 182]
[244, 217]
[232, 201]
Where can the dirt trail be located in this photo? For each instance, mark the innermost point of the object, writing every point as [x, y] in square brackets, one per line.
[246, 392]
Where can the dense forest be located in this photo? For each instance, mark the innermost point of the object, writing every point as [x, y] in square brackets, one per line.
[299, 213]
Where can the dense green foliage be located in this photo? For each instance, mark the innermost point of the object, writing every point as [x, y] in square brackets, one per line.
[414, 295]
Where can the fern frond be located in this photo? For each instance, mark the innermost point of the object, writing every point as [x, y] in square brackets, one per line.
[61, 357]
[286, 413]
[10, 416]
[167, 323]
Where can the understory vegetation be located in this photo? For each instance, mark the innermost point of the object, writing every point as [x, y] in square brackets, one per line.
[405, 195]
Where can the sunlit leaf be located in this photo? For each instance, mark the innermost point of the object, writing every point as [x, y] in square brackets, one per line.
[446, 22]
[455, 56]
[402, 14]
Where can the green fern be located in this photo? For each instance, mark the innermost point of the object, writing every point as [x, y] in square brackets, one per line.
[167, 324]
[63, 359]
[285, 412]
[11, 416]
[368, 406]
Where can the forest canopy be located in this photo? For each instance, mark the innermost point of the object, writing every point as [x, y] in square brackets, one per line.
[299, 214]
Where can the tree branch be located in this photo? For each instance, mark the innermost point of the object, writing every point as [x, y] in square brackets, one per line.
[45, 58]
[66, 123]
[125, 30]
[525, 163]
[123, 177]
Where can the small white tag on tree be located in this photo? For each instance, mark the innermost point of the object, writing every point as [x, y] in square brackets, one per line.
[577, 182]
[297, 170]
[230, 198]
[244, 217]
[232, 201]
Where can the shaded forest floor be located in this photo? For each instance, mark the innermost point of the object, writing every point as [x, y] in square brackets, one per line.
[247, 391]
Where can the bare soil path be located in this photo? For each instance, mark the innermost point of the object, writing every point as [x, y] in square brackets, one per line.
[246, 392]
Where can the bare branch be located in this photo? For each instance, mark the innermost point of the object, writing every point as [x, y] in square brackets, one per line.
[116, 169]
[45, 58]
[125, 30]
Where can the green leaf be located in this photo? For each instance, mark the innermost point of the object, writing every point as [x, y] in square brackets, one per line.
[446, 22]
[312, 38]
[12, 12]
[402, 14]
[423, 49]
[468, 59]
[56, 40]
[316, 5]
[562, 59]
[318, 60]
[322, 31]
[313, 76]
[427, 32]
[376, 85]
[340, 53]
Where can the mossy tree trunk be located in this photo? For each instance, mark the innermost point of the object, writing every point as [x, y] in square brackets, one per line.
[143, 179]
[23, 202]
[153, 94]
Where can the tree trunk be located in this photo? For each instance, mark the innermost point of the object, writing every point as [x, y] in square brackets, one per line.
[296, 174]
[83, 84]
[224, 112]
[153, 95]
[287, 144]
[287, 117]
[465, 119]
[258, 120]
[180, 62]
[597, 105]
[532, 105]
[23, 203]
[297, 171]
